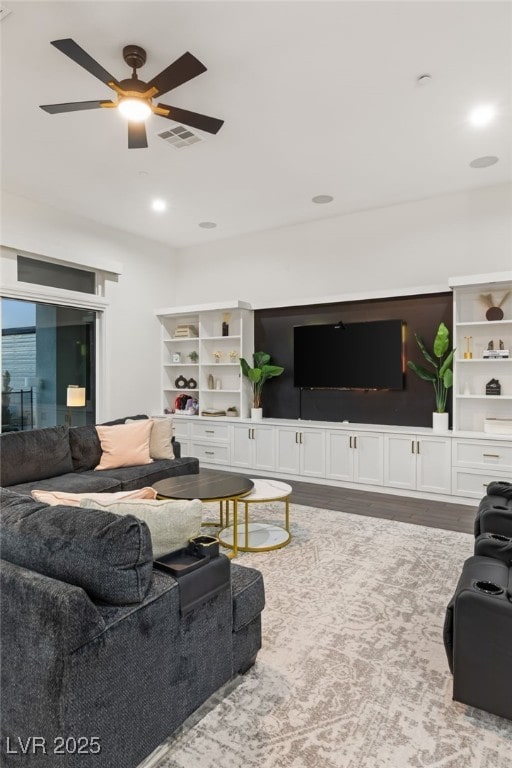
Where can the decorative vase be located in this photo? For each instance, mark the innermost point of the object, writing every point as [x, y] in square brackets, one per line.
[439, 422]
[225, 329]
[256, 414]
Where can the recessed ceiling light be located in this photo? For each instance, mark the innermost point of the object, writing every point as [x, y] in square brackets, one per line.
[320, 199]
[159, 205]
[484, 162]
[207, 224]
[482, 115]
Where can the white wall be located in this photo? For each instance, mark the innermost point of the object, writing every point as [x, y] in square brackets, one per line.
[133, 352]
[419, 244]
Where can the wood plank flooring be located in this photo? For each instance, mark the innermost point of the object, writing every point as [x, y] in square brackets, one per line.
[433, 514]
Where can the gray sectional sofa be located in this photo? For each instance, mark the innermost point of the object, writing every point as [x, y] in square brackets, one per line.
[63, 459]
[99, 661]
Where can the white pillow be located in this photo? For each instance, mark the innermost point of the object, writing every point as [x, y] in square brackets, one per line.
[171, 523]
[160, 445]
[73, 499]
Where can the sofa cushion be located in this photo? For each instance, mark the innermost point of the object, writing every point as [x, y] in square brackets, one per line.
[34, 455]
[160, 440]
[248, 595]
[73, 499]
[171, 523]
[125, 445]
[109, 556]
[73, 482]
[147, 474]
[85, 447]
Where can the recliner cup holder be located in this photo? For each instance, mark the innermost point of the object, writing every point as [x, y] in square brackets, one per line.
[489, 587]
[498, 537]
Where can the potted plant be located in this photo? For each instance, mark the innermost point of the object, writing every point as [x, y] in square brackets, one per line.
[257, 376]
[440, 360]
[193, 356]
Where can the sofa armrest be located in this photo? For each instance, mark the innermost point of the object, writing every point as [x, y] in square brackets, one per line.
[494, 545]
[43, 621]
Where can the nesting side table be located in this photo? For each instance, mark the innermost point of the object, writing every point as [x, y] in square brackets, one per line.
[260, 537]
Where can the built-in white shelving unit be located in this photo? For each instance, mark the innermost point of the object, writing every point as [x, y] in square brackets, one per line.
[471, 405]
[218, 355]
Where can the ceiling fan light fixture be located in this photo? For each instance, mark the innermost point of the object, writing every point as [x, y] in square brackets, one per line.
[133, 109]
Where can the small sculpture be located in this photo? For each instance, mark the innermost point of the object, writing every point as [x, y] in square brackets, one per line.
[490, 345]
[502, 346]
[468, 354]
[494, 311]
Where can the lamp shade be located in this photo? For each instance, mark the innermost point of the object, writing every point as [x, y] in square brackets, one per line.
[75, 396]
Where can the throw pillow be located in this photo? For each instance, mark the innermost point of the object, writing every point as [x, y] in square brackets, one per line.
[160, 445]
[171, 523]
[125, 445]
[73, 499]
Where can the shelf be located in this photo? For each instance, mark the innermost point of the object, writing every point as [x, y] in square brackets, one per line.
[483, 323]
[219, 338]
[203, 338]
[185, 390]
[483, 397]
[181, 365]
[182, 338]
[218, 365]
[231, 391]
[486, 360]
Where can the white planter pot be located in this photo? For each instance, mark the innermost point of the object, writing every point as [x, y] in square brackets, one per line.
[440, 422]
[256, 414]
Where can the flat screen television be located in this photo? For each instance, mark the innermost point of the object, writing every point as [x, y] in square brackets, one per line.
[349, 356]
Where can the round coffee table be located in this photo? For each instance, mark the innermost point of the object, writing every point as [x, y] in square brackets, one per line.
[260, 537]
[209, 485]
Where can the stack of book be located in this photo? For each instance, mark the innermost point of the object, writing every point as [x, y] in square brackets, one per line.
[185, 332]
[212, 412]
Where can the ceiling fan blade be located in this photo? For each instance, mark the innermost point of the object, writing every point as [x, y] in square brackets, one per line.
[74, 106]
[137, 138]
[193, 119]
[81, 57]
[177, 73]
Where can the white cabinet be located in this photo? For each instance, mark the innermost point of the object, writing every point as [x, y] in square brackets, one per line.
[253, 447]
[201, 351]
[476, 463]
[471, 405]
[300, 451]
[355, 457]
[418, 462]
[182, 432]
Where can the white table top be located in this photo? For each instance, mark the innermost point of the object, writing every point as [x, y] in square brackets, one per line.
[268, 490]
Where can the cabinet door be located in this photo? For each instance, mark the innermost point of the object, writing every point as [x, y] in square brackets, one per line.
[340, 456]
[433, 467]
[288, 450]
[312, 449]
[400, 461]
[241, 446]
[264, 455]
[368, 450]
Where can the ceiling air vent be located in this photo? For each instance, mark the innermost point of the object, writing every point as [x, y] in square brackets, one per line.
[4, 12]
[179, 137]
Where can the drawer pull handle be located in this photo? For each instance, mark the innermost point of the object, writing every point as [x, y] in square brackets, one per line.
[252, 434]
[491, 455]
[355, 441]
[417, 446]
[210, 453]
[412, 446]
[350, 443]
[209, 431]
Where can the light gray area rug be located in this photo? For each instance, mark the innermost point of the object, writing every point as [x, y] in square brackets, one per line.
[352, 673]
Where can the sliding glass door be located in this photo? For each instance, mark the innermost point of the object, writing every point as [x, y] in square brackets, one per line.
[48, 365]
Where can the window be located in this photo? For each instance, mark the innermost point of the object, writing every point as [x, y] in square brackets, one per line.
[45, 349]
[55, 275]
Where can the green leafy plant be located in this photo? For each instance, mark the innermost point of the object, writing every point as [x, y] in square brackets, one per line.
[258, 375]
[442, 374]
[193, 356]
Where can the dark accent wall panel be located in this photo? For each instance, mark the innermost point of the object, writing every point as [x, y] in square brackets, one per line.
[412, 406]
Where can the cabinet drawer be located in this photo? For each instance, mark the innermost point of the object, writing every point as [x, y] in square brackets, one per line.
[474, 483]
[181, 429]
[212, 453]
[491, 455]
[210, 431]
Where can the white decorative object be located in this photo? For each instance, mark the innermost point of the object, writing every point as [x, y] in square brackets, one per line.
[498, 426]
[256, 414]
[176, 357]
[440, 422]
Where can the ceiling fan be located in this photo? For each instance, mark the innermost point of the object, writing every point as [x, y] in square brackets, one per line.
[134, 96]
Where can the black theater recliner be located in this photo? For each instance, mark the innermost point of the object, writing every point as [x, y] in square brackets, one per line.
[478, 623]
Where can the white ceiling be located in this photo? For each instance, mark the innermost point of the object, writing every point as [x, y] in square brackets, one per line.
[317, 98]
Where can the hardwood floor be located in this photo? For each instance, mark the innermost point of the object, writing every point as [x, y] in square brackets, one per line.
[433, 514]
